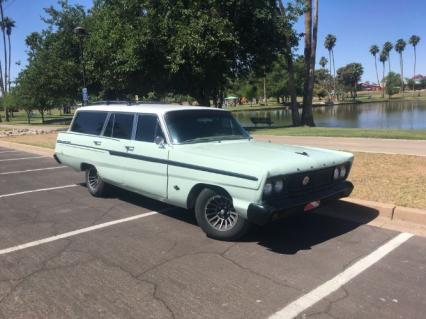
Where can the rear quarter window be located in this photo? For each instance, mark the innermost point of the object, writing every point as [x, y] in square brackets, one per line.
[89, 122]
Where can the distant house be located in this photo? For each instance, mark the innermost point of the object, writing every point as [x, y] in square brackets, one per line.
[418, 78]
[369, 86]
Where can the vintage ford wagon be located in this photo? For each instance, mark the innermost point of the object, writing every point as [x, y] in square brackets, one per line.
[200, 159]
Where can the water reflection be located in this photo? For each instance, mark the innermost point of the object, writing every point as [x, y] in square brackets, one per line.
[395, 114]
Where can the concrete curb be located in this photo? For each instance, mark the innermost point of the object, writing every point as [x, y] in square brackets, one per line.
[392, 212]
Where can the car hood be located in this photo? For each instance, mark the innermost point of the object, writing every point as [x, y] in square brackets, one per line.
[275, 159]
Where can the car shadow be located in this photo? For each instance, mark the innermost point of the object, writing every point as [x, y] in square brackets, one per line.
[304, 230]
[300, 231]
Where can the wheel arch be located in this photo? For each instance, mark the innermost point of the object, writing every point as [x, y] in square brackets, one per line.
[196, 190]
[85, 166]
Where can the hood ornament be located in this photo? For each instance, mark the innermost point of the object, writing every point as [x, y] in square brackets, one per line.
[306, 180]
[302, 153]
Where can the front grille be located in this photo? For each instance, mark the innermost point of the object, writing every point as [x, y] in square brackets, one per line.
[294, 189]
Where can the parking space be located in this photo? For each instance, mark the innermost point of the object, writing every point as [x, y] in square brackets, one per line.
[130, 257]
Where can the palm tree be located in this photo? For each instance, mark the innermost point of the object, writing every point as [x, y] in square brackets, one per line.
[311, 31]
[387, 48]
[399, 47]
[414, 40]
[3, 82]
[374, 49]
[323, 61]
[329, 44]
[383, 58]
[9, 24]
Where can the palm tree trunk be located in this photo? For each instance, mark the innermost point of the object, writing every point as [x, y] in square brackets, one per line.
[401, 65]
[383, 81]
[334, 72]
[307, 107]
[377, 74]
[414, 81]
[10, 59]
[4, 81]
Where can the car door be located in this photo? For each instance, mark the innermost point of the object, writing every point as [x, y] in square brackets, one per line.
[82, 143]
[116, 136]
[149, 159]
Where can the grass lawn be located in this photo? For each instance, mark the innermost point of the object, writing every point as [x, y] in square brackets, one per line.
[395, 179]
[342, 132]
[21, 117]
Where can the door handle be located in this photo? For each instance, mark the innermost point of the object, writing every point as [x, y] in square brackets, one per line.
[130, 148]
[97, 142]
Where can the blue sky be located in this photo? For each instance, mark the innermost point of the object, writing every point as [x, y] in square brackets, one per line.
[356, 24]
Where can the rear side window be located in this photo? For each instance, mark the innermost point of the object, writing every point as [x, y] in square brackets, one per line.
[89, 122]
[119, 126]
[148, 128]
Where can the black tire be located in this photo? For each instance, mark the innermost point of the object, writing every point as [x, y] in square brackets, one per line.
[95, 185]
[215, 207]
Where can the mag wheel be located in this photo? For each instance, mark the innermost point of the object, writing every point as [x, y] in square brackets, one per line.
[95, 184]
[217, 217]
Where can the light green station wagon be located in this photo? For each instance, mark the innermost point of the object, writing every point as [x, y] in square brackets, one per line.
[200, 159]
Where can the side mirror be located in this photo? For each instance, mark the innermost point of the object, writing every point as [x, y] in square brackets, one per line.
[159, 141]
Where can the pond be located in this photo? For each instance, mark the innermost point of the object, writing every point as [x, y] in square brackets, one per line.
[409, 115]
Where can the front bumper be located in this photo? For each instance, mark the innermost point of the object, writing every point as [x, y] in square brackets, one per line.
[261, 214]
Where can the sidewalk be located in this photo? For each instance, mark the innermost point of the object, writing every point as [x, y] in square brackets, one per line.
[354, 144]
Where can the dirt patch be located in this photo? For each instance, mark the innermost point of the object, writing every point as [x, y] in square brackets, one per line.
[43, 140]
[393, 179]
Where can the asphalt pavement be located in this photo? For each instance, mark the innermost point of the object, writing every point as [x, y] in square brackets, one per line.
[66, 254]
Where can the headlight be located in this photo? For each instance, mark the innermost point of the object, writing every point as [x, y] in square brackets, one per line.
[267, 190]
[336, 173]
[342, 171]
[278, 186]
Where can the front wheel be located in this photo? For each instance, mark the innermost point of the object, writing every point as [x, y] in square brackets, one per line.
[96, 186]
[217, 217]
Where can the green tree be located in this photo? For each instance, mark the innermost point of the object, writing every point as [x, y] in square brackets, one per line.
[349, 76]
[393, 81]
[329, 44]
[414, 40]
[374, 49]
[400, 47]
[287, 18]
[383, 58]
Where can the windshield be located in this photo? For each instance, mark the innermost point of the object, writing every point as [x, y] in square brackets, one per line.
[196, 126]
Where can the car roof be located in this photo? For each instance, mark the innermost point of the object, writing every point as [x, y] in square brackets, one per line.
[143, 108]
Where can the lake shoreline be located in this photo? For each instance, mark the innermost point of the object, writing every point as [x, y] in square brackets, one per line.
[316, 105]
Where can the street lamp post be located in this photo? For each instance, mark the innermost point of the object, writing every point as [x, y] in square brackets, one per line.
[81, 33]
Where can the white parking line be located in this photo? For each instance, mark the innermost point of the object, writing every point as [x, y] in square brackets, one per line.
[4, 152]
[74, 233]
[38, 190]
[322, 291]
[21, 158]
[32, 170]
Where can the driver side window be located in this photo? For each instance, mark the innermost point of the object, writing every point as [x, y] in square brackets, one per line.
[148, 128]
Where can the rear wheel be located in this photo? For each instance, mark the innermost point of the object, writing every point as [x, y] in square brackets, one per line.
[96, 186]
[217, 217]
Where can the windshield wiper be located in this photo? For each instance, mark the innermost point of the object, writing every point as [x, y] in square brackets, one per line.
[199, 139]
[214, 139]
